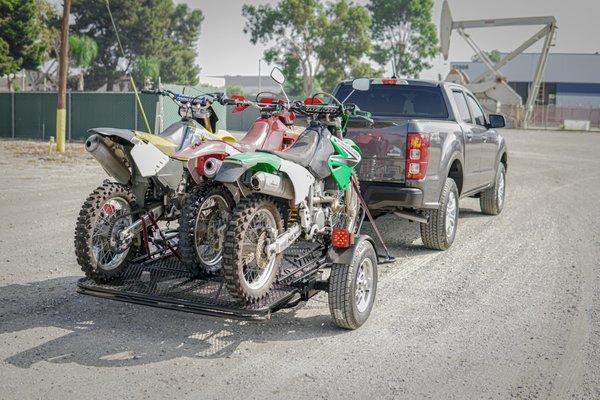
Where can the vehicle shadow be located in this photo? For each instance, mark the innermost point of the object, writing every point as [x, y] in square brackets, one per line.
[106, 333]
[465, 213]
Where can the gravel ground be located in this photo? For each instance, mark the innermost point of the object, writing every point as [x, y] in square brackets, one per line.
[511, 310]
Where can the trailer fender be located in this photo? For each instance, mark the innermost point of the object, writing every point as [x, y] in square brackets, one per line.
[346, 256]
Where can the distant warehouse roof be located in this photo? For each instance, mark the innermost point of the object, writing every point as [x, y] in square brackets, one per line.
[561, 68]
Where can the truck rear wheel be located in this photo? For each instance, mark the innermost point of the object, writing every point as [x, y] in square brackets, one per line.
[440, 231]
[491, 200]
[352, 288]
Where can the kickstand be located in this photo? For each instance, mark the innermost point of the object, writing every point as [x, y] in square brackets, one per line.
[383, 259]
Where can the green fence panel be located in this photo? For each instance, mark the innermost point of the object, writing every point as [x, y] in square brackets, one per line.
[35, 115]
[149, 104]
[95, 110]
[241, 121]
[5, 114]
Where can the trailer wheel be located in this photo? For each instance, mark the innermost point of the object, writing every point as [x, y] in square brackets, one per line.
[440, 231]
[491, 200]
[352, 288]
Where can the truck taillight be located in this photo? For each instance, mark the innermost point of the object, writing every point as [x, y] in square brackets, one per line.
[417, 155]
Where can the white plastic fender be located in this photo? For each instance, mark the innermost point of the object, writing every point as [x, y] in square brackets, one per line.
[148, 158]
[300, 177]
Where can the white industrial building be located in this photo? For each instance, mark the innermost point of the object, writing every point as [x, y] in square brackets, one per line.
[570, 80]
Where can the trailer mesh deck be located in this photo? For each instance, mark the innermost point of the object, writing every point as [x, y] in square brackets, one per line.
[166, 283]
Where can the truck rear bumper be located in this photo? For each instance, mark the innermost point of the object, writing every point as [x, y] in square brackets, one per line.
[388, 196]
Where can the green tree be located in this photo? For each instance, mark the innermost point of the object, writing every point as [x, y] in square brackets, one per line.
[83, 50]
[404, 34]
[22, 45]
[235, 90]
[146, 71]
[316, 44]
[153, 28]
[493, 55]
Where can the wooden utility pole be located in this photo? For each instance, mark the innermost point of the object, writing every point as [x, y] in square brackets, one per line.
[63, 67]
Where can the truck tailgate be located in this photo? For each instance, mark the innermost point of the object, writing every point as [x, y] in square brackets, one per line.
[383, 150]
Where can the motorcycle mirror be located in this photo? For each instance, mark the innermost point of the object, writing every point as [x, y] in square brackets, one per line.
[277, 75]
[361, 84]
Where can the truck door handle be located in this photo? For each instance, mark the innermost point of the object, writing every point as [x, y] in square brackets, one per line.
[469, 136]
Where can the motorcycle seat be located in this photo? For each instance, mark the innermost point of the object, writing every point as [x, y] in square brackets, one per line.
[302, 151]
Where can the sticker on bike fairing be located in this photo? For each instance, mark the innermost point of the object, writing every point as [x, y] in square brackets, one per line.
[343, 161]
[258, 161]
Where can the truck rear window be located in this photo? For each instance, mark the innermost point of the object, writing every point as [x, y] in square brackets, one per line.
[410, 101]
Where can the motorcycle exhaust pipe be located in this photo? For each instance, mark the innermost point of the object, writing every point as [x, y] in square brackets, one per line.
[107, 158]
[211, 167]
[272, 185]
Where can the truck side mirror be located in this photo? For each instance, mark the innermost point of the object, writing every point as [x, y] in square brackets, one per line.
[497, 121]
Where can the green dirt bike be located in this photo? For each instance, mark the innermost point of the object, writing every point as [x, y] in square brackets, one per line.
[304, 193]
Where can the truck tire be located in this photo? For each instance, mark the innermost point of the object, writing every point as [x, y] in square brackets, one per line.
[440, 231]
[352, 288]
[491, 200]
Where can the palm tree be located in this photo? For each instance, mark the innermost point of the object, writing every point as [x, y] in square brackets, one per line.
[146, 71]
[83, 51]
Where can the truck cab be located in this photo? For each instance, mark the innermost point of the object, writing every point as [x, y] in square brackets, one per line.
[430, 145]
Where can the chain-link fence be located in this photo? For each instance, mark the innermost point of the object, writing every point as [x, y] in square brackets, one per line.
[552, 116]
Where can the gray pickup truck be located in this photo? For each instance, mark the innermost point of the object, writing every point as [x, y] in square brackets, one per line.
[430, 145]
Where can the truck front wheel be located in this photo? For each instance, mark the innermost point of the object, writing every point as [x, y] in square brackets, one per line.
[439, 232]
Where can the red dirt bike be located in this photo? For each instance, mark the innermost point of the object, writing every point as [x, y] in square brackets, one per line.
[205, 214]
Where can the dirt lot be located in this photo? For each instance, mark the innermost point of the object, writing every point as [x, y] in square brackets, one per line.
[511, 310]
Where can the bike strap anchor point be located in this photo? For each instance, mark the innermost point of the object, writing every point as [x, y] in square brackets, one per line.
[389, 257]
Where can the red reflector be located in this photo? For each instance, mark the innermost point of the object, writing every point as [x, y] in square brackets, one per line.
[341, 238]
[417, 155]
[108, 209]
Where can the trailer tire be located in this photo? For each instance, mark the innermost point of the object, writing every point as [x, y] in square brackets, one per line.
[491, 200]
[346, 309]
[439, 232]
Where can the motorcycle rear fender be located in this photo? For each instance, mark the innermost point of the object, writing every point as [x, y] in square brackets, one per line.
[125, 134]
[202, 152]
